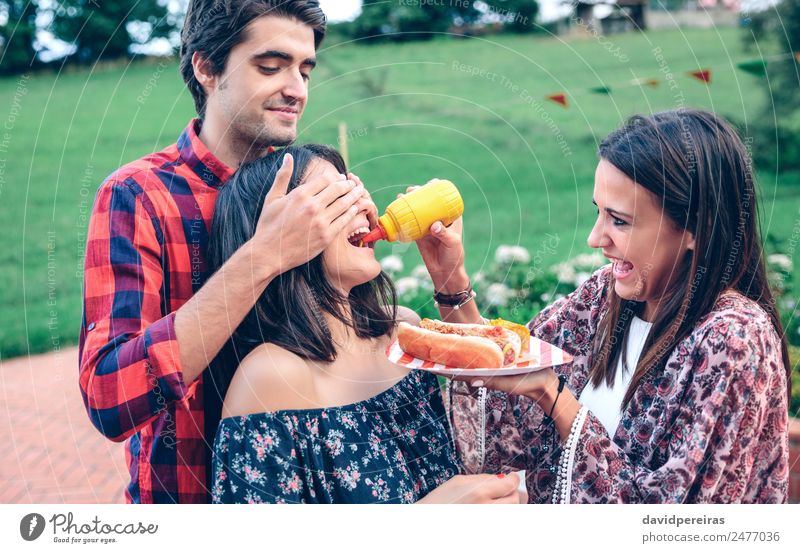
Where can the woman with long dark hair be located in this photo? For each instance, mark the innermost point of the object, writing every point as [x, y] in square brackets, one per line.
[314, 412]
[678, 391]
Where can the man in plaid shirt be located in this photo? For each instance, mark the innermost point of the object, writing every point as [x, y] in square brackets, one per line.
[153, 316]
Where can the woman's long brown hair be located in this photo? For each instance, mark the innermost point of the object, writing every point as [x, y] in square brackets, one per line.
[700, 172]
[290, 312]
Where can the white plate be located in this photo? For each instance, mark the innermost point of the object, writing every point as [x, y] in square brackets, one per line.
[540, 356]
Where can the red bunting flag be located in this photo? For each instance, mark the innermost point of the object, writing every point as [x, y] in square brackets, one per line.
[704, 75]
[558, 99]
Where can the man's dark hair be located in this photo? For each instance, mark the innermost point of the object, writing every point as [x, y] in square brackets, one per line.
[215, 27]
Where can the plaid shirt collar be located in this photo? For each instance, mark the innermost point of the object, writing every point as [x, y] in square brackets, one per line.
[199, 159]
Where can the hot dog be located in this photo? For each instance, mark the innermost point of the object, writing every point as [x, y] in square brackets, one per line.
[466, 346]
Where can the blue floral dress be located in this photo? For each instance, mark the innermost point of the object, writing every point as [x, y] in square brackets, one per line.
[395, 447]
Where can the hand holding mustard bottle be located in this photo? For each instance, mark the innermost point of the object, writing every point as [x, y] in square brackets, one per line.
[431, 215]
[410, 217]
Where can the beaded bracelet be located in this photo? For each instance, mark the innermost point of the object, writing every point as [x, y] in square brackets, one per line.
[563, 476]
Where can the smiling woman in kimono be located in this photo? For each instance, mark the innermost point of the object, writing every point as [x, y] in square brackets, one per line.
[678, 391]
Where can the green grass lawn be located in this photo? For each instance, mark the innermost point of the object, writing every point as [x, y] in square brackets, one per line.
[525, 166]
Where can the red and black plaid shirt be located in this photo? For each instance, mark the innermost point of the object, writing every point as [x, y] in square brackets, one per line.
[145, 257]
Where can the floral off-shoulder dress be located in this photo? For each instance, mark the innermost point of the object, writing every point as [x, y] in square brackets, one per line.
[395, 447]
[711, 427]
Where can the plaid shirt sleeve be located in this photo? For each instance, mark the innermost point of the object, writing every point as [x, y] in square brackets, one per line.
[130, 367]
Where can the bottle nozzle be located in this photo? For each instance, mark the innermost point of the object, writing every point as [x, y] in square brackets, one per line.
[378, 233]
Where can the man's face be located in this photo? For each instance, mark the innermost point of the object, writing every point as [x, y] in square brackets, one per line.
[263, 89]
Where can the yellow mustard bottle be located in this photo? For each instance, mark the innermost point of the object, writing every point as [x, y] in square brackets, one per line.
[410, 216]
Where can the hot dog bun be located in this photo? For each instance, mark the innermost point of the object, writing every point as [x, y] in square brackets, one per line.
[508, 341]
[466, 346]
[469, 352]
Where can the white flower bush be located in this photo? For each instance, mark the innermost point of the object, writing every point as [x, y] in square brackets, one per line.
[420, 272]
[498, 294]
[779, 273]
[781, 261]
[590, 261]
[392, 264]
[577, 270]
[565, 272]
[511, 254]
[406, 285]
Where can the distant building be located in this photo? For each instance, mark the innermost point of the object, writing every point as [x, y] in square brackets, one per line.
[609, 16]
[733, 5]
[699, 14]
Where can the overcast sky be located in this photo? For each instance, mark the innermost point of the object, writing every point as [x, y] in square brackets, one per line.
[342, 10]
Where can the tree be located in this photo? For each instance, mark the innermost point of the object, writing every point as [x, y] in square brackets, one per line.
[519, 15]
[405, 20]
[17, 51]
[777, 130]
[102, 30]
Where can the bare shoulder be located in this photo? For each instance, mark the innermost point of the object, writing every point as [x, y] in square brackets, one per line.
[404, 314]
[268, 379]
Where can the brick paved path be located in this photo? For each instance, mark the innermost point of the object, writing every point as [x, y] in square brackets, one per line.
[49, 451]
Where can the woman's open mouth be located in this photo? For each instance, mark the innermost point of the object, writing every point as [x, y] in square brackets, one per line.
[621, 269]
[354, 238]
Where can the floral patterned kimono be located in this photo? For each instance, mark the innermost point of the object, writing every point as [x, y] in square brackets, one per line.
[711, 427]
